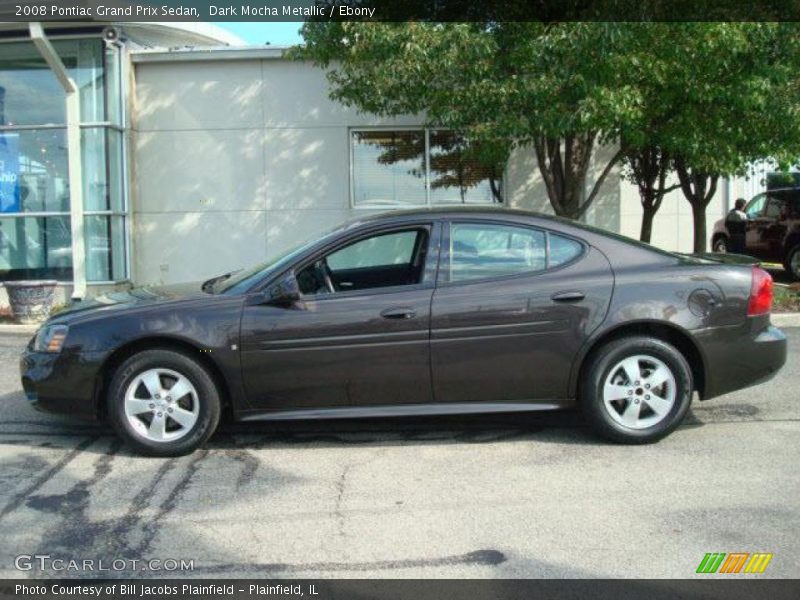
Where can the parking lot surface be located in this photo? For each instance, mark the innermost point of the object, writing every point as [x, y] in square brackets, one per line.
[498, 496]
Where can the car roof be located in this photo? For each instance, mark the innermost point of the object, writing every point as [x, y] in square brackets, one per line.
[560, 224]
[780, 189]
[450, 211]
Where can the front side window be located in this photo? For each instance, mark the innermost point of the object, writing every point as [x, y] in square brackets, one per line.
[419, 167]
[756, 206]
[381, 260]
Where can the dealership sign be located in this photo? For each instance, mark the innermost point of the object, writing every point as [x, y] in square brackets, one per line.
[9, 173]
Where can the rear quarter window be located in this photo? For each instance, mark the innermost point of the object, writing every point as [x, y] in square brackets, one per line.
[562, 250]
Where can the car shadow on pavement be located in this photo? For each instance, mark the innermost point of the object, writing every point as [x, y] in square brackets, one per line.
[561, 427]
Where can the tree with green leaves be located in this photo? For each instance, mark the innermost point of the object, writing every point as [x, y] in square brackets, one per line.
[558, 88]
[690, 102]
[715, 97]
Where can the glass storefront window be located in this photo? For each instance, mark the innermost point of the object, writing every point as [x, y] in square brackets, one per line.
[33, 169]
[101, 150]
[31, 95]
[105, 248]
[29, 92]
[34, 175]
[35, 248]
[84, 60]
[114, 99]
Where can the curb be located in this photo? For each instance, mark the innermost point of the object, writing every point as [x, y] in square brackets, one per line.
[14, 328]
[785, 319]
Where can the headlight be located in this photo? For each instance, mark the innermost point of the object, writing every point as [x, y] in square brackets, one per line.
[50, 338]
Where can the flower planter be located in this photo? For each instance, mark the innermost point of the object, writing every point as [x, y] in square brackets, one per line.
[30, 301]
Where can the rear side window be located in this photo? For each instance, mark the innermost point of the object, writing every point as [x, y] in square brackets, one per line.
[794, 204]
[483, 250]
[775, 205]
[488, 250]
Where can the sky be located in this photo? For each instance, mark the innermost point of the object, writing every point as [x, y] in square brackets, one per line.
[254, 33]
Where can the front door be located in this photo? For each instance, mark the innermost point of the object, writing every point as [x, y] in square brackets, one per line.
[359, 334]
[513, 307]
[756, 227]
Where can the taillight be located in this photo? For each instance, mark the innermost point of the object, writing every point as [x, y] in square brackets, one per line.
[760, 293]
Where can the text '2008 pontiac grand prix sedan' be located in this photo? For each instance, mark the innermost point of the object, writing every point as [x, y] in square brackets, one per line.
[421, 312]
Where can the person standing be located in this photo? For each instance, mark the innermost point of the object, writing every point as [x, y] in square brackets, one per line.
[736, 224]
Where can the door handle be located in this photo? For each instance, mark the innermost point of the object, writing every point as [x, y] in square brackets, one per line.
[398, 313]
[568, 296]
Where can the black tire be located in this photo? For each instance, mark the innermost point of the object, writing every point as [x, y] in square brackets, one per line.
[599, 367]
[207, 395]
[720, 245]
[793, 257]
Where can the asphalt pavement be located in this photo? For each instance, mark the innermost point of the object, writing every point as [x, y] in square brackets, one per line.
[502, 496]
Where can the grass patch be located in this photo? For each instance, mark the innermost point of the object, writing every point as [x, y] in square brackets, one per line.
[787, 298]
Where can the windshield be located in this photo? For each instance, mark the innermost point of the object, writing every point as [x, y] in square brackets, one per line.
[241, 281]
[244, 279]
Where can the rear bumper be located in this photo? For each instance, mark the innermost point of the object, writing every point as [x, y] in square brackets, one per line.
[60, 383]
[739, 357]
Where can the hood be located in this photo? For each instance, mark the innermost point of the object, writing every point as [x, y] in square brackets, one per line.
[140, 296]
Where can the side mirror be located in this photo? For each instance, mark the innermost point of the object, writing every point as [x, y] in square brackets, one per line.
[285, 292]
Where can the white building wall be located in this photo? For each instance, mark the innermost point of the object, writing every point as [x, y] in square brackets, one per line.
[236, 160]
[673, 227]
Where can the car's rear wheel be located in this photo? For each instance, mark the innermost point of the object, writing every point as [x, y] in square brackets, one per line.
[792, 262]
[720, 245]
[163, 403]
[636, 389]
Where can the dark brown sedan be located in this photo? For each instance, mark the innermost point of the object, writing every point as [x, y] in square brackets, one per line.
[422, 312]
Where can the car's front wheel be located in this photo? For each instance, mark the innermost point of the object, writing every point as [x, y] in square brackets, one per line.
[163, 403]
[636, 389]
[720, 245]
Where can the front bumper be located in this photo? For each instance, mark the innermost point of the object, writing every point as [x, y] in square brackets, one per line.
[61, 383]
[738, 357]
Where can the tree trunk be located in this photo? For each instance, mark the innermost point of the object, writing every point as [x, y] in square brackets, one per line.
[496, 191]
[564, 165]
[699, 188]
[699, 216]
[648, 216]
[648, 167]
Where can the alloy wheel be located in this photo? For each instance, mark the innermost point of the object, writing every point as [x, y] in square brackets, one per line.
[161, 405]
[639, 391]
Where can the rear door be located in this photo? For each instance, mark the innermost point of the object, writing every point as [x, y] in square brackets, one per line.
[513, 306]
[776, 214]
